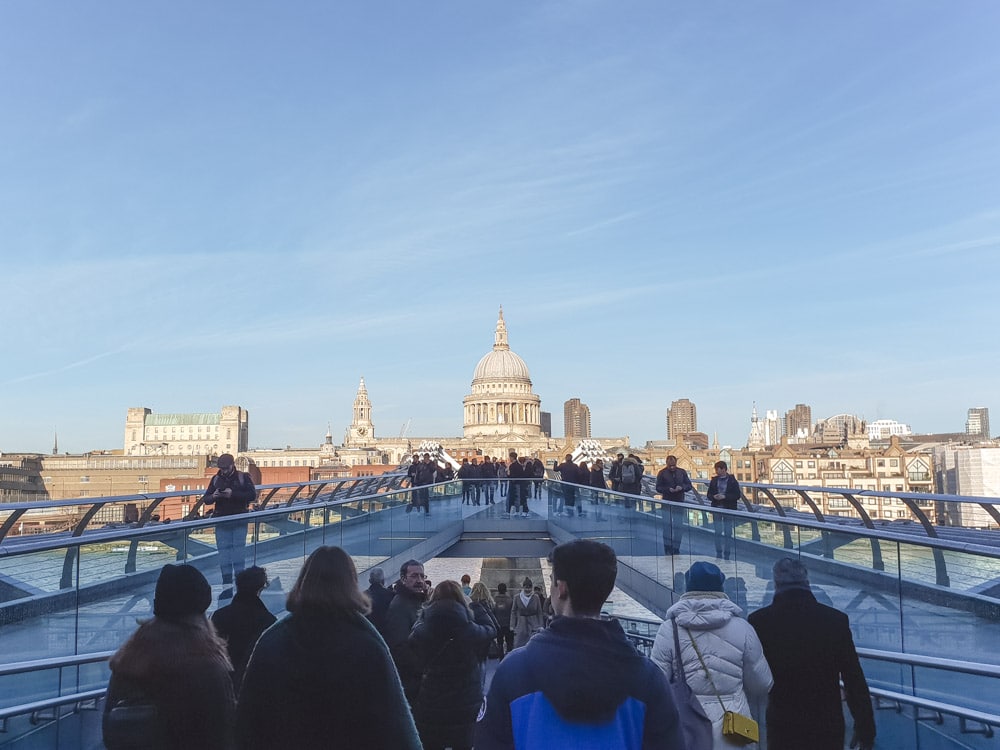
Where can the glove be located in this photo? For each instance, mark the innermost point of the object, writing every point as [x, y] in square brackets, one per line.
[861, 744]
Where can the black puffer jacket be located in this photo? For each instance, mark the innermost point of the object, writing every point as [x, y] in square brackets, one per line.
[449, 641]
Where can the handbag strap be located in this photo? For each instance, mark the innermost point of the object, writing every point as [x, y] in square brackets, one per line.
[677, 653]
[705, 667]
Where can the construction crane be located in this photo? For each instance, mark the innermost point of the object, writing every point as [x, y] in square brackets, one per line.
[405, 428]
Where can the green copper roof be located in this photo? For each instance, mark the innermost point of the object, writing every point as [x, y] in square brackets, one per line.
[171, 420]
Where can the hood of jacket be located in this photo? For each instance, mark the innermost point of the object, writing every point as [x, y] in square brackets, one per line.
[569, 681]
[703, 610]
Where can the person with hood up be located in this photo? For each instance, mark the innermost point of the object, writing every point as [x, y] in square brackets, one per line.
[723, 659]
[449, 643]
[580, 683]
[170, 685]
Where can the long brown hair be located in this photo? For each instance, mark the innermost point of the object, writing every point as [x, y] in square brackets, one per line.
[328, 583]
[448, 590]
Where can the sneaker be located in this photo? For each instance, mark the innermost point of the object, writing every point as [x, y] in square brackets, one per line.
[526, 515]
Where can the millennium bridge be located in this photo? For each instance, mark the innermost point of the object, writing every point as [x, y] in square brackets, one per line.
[924, 600]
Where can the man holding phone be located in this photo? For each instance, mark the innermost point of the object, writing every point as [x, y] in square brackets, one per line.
[231, 492]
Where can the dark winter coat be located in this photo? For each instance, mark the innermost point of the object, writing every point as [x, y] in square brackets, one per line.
[319, 680]
[381, 598]
[180, 667]
[240, 624]
[448, 642]
[580, 683]
[633, 488]
[483, 614]
[676, 477]
[424, 473]
[502, 606]
[810, 648]
[732, 493]
[568, 472]
[597, 478]
[244, 494]
[402, 615]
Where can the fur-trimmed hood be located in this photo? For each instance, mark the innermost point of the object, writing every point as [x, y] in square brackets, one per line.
[164, 647]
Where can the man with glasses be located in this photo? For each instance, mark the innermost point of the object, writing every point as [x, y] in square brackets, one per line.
[231, 492]
[404, 609]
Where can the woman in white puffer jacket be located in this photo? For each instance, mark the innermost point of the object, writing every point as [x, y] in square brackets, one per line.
[728, 645]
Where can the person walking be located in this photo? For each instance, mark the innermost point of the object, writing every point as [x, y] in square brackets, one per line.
[502, 477]
[242, 622]
[599, 484]
[502, 608]
[465, 474]
[538, 474]
[568, 473]
[580, 683]
[631, 478]
[424, 475]
[515, 472]
[170, 683]
[615, 473]
[323, 673]
[403, 612]
[231, 492]
[380, 598]
[671, 484]
[721, 655]
[811, 651]
[488, 469]
[723, 492]
[526, 617]
[449, 642]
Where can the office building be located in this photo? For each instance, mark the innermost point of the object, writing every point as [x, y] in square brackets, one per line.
[576, 418]
[682, 417]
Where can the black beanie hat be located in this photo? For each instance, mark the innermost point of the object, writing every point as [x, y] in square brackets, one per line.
[181, 590]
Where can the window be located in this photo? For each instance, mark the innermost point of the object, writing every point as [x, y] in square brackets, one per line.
[881, 463]
[838, 502]
[783, 475]
[811, 464]
[798, 464]
[894, 462]
[84, 480]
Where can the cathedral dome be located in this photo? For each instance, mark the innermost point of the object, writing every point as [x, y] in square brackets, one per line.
[501, 364]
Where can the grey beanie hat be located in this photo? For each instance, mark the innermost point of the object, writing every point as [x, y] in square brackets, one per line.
[790, 573]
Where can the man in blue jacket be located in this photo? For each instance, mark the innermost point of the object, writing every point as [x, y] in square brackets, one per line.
[579, 683]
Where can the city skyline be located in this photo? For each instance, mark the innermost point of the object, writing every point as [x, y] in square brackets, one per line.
[783, 204]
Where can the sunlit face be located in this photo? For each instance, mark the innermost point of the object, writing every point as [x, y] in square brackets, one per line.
[671, 462]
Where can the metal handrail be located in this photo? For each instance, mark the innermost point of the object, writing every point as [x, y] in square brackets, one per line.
[54, 662]
[37, 706]
[960, 712]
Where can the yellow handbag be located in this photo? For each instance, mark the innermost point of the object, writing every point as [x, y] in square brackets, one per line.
[736, 727]
[740, 728]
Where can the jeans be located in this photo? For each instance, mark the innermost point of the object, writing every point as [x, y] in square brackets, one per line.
[723, 534]
[231, 541]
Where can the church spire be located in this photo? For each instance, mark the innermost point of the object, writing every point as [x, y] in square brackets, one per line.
[55, 444]
[500, 338]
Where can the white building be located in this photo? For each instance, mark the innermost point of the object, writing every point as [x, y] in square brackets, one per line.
[883, 429]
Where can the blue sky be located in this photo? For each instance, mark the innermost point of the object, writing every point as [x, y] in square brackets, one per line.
[256, 204]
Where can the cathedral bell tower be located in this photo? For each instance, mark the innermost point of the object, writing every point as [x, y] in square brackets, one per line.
[362, 431]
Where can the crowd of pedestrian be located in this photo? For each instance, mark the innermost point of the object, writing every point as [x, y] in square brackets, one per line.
[403, 666]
